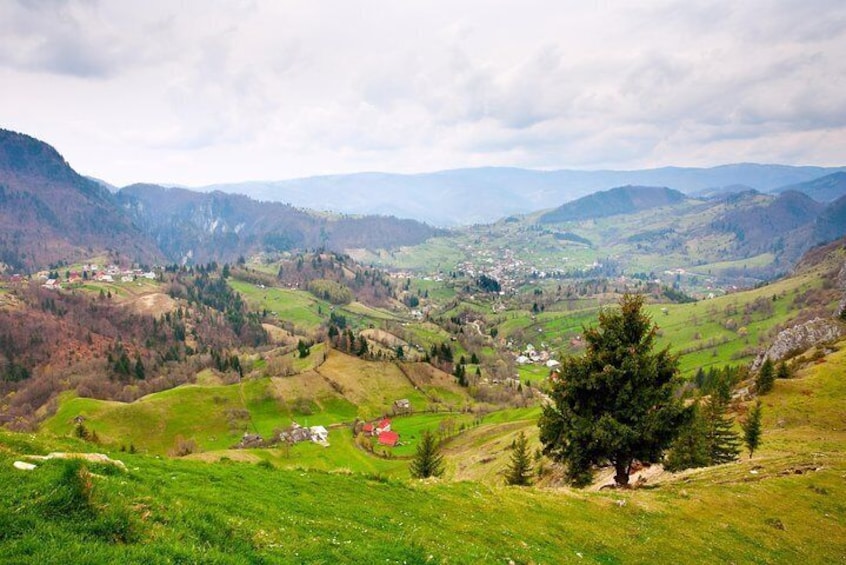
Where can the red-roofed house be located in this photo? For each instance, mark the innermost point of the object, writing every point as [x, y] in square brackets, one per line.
[388, 438]
[383, 426]
[368, 429]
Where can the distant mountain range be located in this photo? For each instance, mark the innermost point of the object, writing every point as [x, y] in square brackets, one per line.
[823, 189]
[49, 213]
[469, 196]
[725, 227]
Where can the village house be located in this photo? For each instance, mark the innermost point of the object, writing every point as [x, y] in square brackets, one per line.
[402, 405]
[320, 435]
[376, 428]
[389, 439]
[295, 434]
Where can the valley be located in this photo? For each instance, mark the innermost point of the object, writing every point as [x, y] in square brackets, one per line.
[268, 375]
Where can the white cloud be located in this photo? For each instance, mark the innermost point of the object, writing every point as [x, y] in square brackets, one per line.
[200, 92]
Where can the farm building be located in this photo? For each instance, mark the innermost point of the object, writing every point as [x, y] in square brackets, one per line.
[388, 438]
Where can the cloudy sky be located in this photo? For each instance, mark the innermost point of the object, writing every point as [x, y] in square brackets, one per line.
[203, 92]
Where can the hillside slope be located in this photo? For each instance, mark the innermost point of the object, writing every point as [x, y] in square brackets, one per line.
[621, 200]
[49, 213]
[824, 189]
[785, 506]
[201, 227]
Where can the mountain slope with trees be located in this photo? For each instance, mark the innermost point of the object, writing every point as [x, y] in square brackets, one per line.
[823, 189]
[221, 227]
[49, 213]
[621, 200]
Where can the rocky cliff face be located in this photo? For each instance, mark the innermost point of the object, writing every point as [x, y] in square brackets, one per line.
[802, 337]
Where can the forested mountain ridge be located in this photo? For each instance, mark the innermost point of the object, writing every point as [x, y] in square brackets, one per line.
[49, 213]
[199, 227]
[621, 200]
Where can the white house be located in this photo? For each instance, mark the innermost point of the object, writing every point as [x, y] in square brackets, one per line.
[319, 434]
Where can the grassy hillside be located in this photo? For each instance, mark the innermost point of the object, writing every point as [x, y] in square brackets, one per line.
[725, 329]
[783, 506]
[214, 416]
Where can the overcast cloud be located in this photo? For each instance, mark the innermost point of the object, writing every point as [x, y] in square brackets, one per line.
[203, 92]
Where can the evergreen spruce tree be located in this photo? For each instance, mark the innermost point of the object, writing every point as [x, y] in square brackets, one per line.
[783, 372]
[752, 429]
[428, 461]
[766, 377]
[362, 347]
[460, 374]
[139, 368]
[690, 449]
[722, 441]
[519, 472]
[616, 403]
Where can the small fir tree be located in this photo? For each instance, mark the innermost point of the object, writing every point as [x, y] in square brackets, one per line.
[766, 377]
[752, 429]
[428, 461]
[362, 347]
[783, 372]
[690, 450]
[519, 471]
[722, 441]
[460, 374]
[140, 373]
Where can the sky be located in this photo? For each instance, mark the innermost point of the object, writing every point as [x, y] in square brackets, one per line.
[202, 92]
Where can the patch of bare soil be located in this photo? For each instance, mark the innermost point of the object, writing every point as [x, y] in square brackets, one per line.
[643, 476]
[154, 304]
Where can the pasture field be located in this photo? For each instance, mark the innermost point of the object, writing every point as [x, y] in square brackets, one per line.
[297, 307]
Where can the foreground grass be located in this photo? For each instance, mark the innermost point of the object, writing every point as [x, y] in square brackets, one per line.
[165, 511]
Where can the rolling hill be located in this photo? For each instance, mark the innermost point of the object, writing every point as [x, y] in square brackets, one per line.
[200, 227]
[823, 189]
[783, 505]
[621, 200]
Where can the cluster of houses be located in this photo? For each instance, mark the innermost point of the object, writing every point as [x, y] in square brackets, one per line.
[110, 274]
[531, 355]
[295, 433]
[381, 430]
